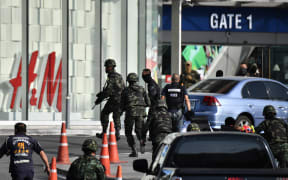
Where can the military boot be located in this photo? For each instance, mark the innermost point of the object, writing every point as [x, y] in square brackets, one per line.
[142, 147]
[99, 135]
[134, 152]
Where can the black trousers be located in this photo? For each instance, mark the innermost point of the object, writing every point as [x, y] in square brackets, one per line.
[23, 175]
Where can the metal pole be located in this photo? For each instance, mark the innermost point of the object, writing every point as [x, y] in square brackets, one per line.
[25, 59]
[65, 61]
[176, 36]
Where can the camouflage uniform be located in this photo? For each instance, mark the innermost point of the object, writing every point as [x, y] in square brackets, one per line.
[188, 79]
[160, 124]
[275, 132]
[112, 90]
[133, 102]
[87, 167]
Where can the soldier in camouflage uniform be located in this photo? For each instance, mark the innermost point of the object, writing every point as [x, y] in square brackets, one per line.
[87, 167]
[189, 77]
[275, 132]
[112, 90]
[134, 100]
[160, 124]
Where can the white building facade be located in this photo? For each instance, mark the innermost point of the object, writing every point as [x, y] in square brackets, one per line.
[125, 30]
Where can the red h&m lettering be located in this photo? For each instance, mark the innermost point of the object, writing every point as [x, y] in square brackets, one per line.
[17, 82]
[51, 84]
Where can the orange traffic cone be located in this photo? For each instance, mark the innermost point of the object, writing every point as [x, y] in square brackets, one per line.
[113, 150]
[104, 157]
[63, 153]
[119, 173]
[53, 171]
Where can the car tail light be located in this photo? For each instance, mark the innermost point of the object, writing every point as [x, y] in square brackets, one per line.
[210, 101]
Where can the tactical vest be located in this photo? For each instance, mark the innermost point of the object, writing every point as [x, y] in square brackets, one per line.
[174, 96]
[277, 131]
[135, 96]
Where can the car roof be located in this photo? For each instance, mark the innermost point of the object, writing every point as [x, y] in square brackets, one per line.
[240, 78]
[170, 137]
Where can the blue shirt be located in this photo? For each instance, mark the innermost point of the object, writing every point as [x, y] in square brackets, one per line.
[20, 148]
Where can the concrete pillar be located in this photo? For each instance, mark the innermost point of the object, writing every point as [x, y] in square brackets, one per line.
[141, 38]
[176, 36]
[124, 39]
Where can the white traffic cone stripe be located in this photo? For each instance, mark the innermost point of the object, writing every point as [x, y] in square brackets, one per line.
[112, 132]
[113, 143]
[104, 157]
[120, 178]
[104, 145]
[63, 134]
[53, 171]
[63, 144]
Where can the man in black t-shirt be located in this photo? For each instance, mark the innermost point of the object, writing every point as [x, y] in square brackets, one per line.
[20, 148]
[175, 95]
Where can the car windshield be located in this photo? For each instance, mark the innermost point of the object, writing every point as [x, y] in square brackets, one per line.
[221, 86]
[221, 151]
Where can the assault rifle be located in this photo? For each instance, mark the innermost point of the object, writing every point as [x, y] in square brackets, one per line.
[100, 97]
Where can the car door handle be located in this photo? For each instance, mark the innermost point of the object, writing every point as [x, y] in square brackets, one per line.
[250, 105]
[281, 107]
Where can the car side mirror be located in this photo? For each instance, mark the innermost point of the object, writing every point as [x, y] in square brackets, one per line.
[140, 165]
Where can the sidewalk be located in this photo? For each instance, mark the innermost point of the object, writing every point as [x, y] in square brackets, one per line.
[127, 168]
[53, 127]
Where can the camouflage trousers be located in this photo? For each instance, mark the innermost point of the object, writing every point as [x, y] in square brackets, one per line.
[111, 107]
[139, 128]
[280, 151]
[156, 140]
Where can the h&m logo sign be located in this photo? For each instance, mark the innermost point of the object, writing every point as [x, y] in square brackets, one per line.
[48, 83]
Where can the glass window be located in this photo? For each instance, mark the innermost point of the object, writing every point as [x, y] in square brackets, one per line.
[215, 86]
[218, 151]
[160, 157]
[276, 91]
[255, 90]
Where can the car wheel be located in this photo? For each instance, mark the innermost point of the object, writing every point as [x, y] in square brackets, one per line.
[243, 120]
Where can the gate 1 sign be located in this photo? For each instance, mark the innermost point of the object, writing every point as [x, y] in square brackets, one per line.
[229, 19]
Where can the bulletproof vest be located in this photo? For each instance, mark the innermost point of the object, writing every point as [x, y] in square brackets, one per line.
[115, 85]
[174, 96]
[135, 96]
[161, 122]
[277, 131]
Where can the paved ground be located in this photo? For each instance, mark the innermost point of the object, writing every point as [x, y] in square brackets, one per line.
[50, 144]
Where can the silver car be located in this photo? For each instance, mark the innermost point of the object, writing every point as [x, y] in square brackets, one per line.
[240, 98]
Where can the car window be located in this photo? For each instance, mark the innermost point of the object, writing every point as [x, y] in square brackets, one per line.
[277, 91]
[218, 152]
[161, 154]
[222, 86]
[255, 90]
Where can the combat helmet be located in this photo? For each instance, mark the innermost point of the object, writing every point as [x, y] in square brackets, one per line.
[132, 77]
[109, 63]
[89, 145]
[269, 110]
